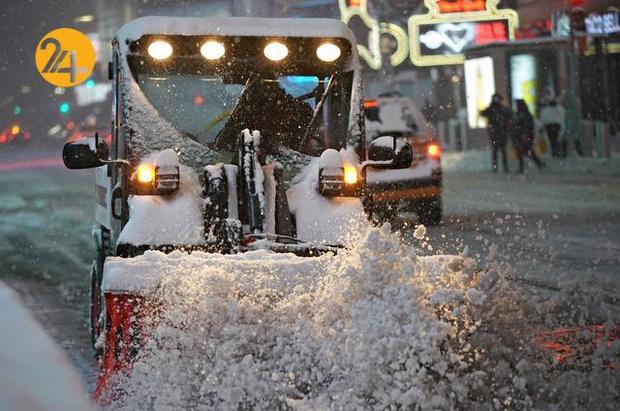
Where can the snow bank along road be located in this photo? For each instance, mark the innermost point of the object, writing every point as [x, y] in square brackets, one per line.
[549, 244]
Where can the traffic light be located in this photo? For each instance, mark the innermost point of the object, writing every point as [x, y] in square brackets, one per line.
[17, 110]
[64, 108]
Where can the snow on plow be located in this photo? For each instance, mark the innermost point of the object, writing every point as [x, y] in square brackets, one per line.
[373, 326]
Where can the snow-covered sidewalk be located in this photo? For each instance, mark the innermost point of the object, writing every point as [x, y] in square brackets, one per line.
[480, 160]
[34, 373]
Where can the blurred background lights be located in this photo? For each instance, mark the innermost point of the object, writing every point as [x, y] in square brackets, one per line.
[64, 108]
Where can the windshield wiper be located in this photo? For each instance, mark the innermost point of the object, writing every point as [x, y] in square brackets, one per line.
[318, 107]
[233, 113]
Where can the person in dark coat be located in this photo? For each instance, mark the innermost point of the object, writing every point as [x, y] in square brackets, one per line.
[500, 124]
[524, 135]
[280, 118]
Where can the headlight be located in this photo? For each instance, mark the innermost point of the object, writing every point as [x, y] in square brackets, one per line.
[152, 180]
[275, 51]
[212, 50]
[145, 174]
[338, 181]
[328, 52]
[350, 175]
[160, 50]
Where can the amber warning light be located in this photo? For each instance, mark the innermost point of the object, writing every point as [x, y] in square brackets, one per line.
[434, 150]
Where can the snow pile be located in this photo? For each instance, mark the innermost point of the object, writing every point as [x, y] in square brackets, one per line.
[34, 372]
[372, 327]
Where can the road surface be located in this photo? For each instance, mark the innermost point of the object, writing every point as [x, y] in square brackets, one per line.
[548, 231]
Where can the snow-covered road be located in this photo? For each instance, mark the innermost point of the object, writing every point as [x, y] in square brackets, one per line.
[552, 237]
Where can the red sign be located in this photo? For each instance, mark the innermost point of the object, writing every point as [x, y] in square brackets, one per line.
[491, 32]
[461, 6]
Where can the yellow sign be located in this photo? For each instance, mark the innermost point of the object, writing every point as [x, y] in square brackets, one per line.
[371, 53]
[65, 57]
[439, 38]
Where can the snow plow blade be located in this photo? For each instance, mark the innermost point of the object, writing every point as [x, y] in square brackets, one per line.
[124, 335]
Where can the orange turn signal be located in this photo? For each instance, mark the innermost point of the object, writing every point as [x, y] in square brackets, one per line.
[145, 173]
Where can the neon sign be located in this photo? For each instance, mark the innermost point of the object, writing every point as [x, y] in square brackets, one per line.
[436, 38]
[460, 6]
[371, 53]
[441, 36]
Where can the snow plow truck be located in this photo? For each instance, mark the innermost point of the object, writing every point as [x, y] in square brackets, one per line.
[228, 135]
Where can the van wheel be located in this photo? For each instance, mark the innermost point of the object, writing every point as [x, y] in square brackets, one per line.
[430, 211]
[380, 213]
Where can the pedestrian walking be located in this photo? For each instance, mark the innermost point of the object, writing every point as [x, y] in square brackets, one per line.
[553, 117]
[524, 136]
[500, 124]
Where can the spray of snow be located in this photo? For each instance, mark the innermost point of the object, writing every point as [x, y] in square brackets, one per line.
[374, 326]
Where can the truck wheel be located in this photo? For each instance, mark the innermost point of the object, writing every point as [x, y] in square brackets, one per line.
[95, 305]
[430, 211]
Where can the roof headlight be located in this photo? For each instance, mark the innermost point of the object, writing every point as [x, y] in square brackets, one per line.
[328, 52]
[275, 51]
[160, 50]
[212, 50]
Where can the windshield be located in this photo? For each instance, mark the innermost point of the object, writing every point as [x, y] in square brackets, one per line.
[284, 109]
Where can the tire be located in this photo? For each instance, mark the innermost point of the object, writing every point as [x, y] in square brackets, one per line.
[381, 213]
[95, 305]
[430, 211]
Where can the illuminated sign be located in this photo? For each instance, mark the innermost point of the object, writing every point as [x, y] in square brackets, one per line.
[446, 39]
[441, 36]
[355, 14]
[524, 79]
[460, 6]
[479, 89]
[608, 23]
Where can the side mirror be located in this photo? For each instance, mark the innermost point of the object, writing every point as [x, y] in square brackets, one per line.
[390, 152]
[82, 154]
